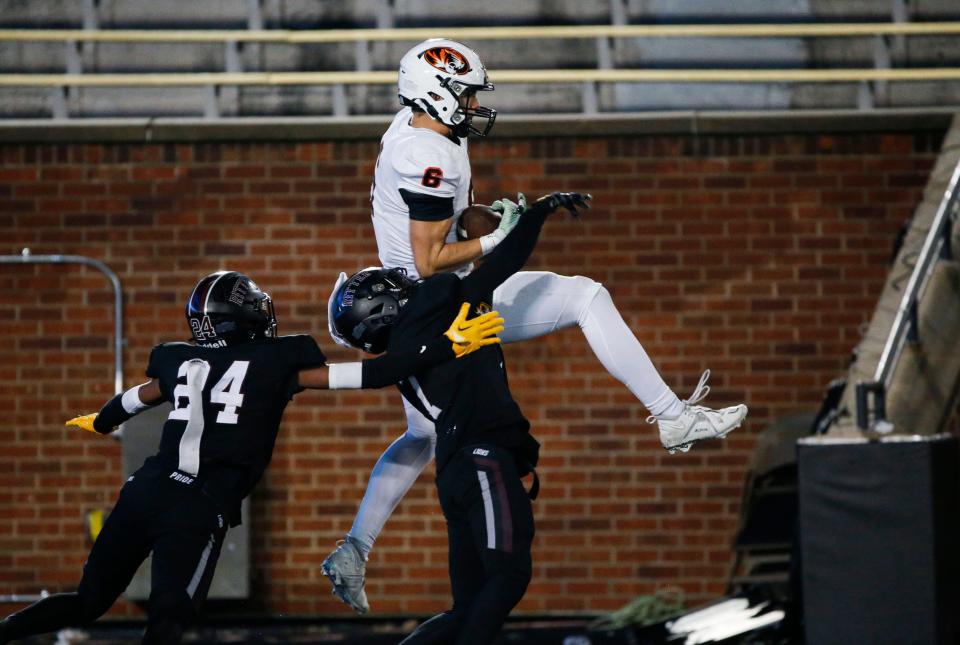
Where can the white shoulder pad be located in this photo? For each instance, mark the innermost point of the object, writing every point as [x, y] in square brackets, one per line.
[427, 165]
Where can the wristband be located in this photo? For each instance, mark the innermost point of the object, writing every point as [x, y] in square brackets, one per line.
[345, 376]
[489, 242]
[131, 401]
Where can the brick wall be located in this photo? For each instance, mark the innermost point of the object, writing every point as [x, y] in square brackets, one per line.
[758, 256]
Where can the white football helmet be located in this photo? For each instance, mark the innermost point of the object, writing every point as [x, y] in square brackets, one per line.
[433, 77]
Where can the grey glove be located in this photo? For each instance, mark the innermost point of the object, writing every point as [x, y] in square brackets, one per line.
[510, 213]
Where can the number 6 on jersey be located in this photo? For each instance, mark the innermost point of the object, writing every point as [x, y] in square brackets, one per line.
[432, 177]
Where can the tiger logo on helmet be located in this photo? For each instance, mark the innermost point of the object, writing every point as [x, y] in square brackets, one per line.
[447, 60]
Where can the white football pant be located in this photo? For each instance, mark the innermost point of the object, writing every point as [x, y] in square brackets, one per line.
[533, 303]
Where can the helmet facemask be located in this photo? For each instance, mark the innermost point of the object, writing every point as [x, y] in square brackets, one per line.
[462, 118]
[264, 306]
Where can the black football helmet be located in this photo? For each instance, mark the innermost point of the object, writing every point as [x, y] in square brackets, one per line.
[363, 307]
[227, 308]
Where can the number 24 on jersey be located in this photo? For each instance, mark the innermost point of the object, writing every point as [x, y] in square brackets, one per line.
[226, 392]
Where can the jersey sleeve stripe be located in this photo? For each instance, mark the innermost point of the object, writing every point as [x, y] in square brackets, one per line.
[427, 208]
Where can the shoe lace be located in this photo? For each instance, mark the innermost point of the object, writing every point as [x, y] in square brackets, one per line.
[346, 545]
[701, 391]
[699, 394]
[342, 546]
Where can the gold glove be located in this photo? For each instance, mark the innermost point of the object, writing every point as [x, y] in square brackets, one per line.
[85, 422]
[470, 335]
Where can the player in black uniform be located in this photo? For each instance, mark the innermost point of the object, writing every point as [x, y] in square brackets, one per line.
[484, 444]
[229, 389]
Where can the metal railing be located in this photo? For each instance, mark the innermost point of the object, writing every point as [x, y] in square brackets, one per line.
[886, 37]
[501, 76]
[906, 321]
[118, 341]
[299, 37]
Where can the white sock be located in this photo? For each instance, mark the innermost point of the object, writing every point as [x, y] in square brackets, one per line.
[393, 475]
[624, 357]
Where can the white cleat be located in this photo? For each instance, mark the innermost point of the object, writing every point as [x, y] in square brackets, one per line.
[347, 569]
[697, 422]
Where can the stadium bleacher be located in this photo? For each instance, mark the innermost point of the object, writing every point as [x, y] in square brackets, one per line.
[780, 52]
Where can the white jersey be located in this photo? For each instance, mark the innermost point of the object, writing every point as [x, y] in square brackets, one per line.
[417, 160]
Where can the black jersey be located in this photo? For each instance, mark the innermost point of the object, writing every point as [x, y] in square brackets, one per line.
[469, 399]
[227, 405]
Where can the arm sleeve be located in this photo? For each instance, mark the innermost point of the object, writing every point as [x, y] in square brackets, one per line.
[119, 409]
[399, 364]
[509, 256]
[111, 415]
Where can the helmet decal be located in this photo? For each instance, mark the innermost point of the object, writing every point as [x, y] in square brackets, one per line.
[447, 60]
[239, 291]
[202, 329]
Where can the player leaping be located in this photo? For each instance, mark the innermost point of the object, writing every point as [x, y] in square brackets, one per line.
[421, 181]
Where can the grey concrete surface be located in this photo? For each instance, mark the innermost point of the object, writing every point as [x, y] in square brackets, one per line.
[543, 125]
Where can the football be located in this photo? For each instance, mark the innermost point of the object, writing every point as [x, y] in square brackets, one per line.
[476, 221]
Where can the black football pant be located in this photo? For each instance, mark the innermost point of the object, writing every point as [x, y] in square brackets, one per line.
[490, 531]
[184, 529]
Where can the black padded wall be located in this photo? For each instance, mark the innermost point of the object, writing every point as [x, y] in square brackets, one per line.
[879, 540]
